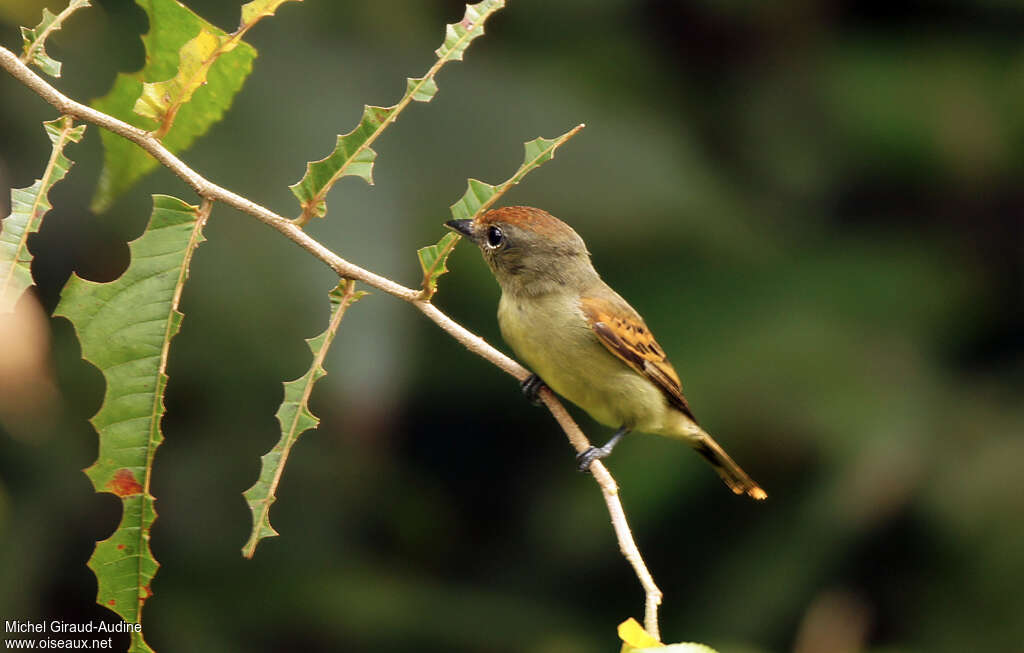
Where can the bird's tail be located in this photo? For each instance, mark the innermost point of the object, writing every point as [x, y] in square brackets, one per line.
[734, 476]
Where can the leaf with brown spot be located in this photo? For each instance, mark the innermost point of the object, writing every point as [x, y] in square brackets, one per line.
[125, 328]
[123, 484]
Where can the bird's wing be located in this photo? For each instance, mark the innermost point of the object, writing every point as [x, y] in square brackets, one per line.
[623, 332]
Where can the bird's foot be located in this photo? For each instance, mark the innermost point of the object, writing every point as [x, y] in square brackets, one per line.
[584, 459]
[531, 389]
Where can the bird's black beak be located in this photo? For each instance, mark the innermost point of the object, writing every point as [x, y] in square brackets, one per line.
[464, 227]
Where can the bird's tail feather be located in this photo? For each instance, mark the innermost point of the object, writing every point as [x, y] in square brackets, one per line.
[733, 475]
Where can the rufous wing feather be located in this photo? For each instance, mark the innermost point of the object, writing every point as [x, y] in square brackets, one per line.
[623, 332]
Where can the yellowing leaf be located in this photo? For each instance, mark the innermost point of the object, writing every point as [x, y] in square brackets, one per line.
[637, 640]
[160, 100]
[171, 27]
[257, 9]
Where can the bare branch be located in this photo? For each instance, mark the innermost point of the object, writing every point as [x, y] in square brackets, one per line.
[212, 192]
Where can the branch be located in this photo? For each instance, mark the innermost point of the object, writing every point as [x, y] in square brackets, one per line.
[474, 343]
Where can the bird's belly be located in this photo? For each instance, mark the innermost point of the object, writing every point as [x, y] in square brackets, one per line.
[571, 361]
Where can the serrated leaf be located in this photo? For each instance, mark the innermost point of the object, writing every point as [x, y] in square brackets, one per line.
[34, 40]
[458, 36]
[295, 419]
[125, 329]
[28, 206]
[433, 260]
[171, 26]
[352, 154]
[480, 196]
[33, 47]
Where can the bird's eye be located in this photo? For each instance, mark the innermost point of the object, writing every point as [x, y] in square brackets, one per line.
[495, 237]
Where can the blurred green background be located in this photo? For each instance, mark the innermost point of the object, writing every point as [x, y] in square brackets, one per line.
[817, 206]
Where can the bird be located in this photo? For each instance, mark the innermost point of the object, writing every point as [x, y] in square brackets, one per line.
[582, 340]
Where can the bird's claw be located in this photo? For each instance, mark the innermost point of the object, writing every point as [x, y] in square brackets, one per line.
[584, 459]
[531, 389]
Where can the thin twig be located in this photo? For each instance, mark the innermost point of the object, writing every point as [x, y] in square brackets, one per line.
[212, 192]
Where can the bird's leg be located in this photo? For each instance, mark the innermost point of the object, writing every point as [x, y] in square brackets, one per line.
[531, 389]
[584, 459]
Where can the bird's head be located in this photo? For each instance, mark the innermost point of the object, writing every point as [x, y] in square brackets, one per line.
[529, 250]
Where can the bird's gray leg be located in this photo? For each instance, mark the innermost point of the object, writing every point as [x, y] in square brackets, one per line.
[531, 388]
[584, 459]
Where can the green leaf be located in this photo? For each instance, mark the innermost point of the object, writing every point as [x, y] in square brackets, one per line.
[458, 36]
[480, 196]
[352, 154]
[28, 206]
[295, 419]
[172, 26]
[433, 260]
[34, 40]
[125, 329]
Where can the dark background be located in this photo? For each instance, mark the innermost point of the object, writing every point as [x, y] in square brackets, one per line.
[816, 205]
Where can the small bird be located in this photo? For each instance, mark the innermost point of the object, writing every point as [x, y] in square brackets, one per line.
[584, 341]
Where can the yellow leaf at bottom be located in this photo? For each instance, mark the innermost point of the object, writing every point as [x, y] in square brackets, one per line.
[633, 634]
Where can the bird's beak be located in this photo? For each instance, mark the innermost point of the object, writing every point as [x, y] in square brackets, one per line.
[464, 227]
